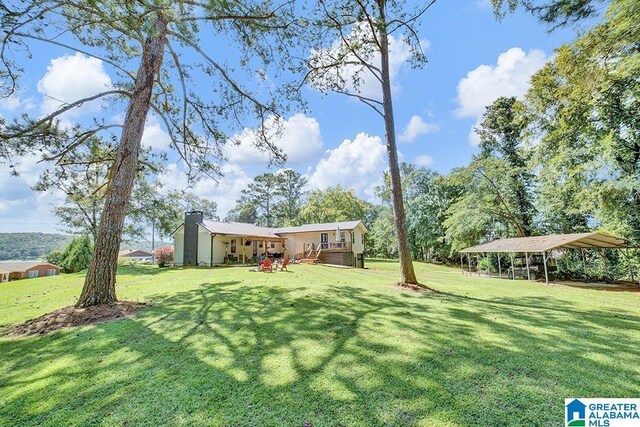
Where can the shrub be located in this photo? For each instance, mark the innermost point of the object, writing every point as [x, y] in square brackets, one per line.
[164, 255]
[55, 257]
[77, 256]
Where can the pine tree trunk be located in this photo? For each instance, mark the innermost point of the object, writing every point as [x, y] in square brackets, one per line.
[100, 283]
[407, 274]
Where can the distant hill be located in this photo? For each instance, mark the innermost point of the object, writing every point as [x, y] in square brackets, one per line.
[27, 246]
[142, 245]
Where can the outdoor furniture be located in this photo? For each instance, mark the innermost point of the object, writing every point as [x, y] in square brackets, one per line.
[284, 264]
[266, 265]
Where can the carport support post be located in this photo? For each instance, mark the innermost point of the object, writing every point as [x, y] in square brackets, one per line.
[488, 265]
[461, 263]
[546, 273]
[513, 267]
[526, 255]
[626, 251]
[584, 265]
[469, 262]
[499, 268]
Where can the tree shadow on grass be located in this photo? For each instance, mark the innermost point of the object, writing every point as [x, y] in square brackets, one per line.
[232, 353]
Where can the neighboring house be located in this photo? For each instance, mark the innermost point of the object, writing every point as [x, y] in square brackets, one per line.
[4, 276]
[199, 241]
[28, 269]
[136, 255]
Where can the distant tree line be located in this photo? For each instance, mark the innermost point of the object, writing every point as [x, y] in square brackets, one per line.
[24, 246]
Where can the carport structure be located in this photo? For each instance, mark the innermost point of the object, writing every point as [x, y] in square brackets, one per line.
[544, 245]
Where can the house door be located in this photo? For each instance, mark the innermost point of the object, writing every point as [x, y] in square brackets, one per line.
[255, 248]
[324, 240]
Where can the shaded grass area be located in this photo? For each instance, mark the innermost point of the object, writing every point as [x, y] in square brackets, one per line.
[326, 346]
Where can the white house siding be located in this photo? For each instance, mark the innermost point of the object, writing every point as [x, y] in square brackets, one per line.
[295, 241]
[358, 246]
[204, 246]
[219, 248]
[178, 246]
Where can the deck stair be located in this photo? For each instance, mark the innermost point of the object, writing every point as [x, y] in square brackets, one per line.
[312, 256]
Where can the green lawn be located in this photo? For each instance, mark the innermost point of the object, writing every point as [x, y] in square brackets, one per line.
[327, 346]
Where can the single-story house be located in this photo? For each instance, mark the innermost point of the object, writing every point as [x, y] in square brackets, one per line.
[199, 241]
[136, 255]
[29, 269]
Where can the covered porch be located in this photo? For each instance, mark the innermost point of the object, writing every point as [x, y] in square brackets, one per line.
[249, 249]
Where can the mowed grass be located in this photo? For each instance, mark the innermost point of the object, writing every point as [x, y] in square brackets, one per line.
[318, 345]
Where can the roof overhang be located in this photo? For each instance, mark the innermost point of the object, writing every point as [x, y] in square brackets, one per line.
[596, 239]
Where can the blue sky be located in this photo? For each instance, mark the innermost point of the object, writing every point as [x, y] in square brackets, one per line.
[472, 60]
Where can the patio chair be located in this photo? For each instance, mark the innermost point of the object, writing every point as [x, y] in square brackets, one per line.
[284, 264]
[266, 265]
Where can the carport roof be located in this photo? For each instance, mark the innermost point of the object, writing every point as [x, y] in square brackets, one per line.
[596, 239]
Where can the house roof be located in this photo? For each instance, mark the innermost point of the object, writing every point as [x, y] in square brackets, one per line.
[596, 239]
[238, 229]
[327, 226]
[250, 230]
[22, 265]
[134, 252]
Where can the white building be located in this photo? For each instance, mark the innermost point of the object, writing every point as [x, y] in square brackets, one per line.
[199, 241]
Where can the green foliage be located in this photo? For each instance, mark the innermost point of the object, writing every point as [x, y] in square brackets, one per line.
[77, 255]
[271, 200]
[55, 257]
[20, 246]
[333, 204]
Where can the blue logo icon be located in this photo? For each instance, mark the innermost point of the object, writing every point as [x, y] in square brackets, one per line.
[576, 413]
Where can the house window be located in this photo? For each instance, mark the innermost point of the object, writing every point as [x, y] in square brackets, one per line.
[273, 245]
[233, 246]
[32, 273]
[260, 244]
[353, 238]
[342, 236]
[51, 271]
[362, 235]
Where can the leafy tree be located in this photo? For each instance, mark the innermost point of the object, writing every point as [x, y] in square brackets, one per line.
[333, 204]
[485, 208]
[77, 256]
[132, 38]
[292, 193]
[501, 133]
[363, 30]
[557, 13]
[166, 211]
[262, 195]
[55, 257]
[243, 212]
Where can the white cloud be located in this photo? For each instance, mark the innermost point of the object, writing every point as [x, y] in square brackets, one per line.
[21, 208]
[71, 78]
[509, 77]
[416, 127]
[367, 83]
[154, 135]
[225, 192]
[424, 160]
[14, 102]
[299, 139]
[356, 164]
